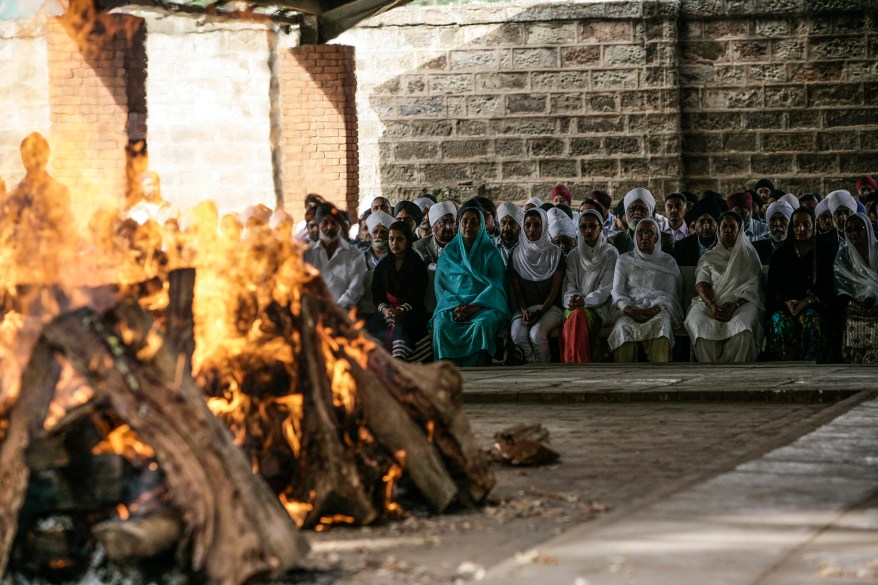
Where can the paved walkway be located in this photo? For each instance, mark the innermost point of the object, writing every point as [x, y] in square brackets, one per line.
[803, 513]
[799, 382]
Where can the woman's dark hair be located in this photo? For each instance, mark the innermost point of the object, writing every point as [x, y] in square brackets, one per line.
[403, 226]
[734, 215]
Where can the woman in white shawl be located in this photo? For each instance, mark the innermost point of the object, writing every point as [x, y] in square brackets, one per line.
[646, 288]
[588, 284]
[725, 319]
[536, 271]
[856, 284]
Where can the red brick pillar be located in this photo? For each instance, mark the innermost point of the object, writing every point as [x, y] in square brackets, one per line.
[89, 111]
[318, 138]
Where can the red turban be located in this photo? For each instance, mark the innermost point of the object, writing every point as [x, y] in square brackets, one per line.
[562, 190]
[740, 199]
[866, 180]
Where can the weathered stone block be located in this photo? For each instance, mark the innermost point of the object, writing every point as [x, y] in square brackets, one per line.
[658, 77]
[510, 148]
[447, 172]
[471, 128]
[536, 58]
[394, 130]
[634, 168]
[764, 120]
[465, 149]
[484, 171]
[583, 55]
[836, 47]
[599, 124]
[750, 51]
[494, 81]
[525, 126]
[788, 50]
[696, 73]
[785, 96]
[771, 165]
[554, 33]
[526, 104]
[599, 167]
[542, 147]
[696, 166]
[857, 163]
[405, 151]
[837, 94]
[518, 169]
[821, 71]
[558, 168]
[731, 75]
[663, 145]
[507, 192]
[727, 164]
[492, 35]
[738, 142]
[804, 119]
[726, 29]
[560, 80]
[862, 70]
[622, 145]
[415, 84]
[605, 31]
[852, 117]
[838, 141]
[452, 83]
[568, 103]
[772, 27]
[774, 73]
[603, 102]
[616, 55]
[614, 79]
[395, 173]
[778, 6]
[585, 146]
[437, 63]
[702, 8]
[731, 98]
[870, 92]
[706, 121]
[423, 107]
[822, 164]
[788, 142]
[475, 60]
[703, 142]
[484, 105]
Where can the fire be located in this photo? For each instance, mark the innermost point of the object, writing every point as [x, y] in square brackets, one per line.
[327, 521]
[124, 441]
[122, 512]
[393, 474]
[297, 510]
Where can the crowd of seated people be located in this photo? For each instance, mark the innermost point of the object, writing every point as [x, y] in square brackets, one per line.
[772, 276]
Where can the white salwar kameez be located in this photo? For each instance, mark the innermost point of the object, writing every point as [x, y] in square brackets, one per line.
[642, 281]
[733, 273]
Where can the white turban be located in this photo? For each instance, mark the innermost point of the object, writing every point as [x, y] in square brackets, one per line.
[440, 210]
[534, 201]
[556, 214]
[562, 226]
[822, 207]
[642, 194]
[779, 206]
[841, 198]
[512, 210]
[378, 217]
[791, 199]
[424, 203]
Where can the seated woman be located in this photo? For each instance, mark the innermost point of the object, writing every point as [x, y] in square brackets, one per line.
[588, 283]
[471, 303]
[725, 318]
[856, 284]
[646, 288]
[799, 293]
[398, 288]
[535, 274]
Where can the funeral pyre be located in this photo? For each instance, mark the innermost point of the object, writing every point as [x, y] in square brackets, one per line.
[195, 393]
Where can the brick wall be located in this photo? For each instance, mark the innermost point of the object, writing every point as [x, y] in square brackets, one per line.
[318, 124]
[670, 94]
[208, 93]
[24, 93]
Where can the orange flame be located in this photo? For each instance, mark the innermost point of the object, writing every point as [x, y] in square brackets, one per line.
[122, 512]
[124, 441]
[327, 521]
[297, 510]
[390, 478]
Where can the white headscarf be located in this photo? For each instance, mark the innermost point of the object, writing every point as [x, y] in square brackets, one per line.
[536, 201]
[779, 206]
[822, 207]
[791, 199]
[591, 259]
[657, 260]
[512, 210]
[441, 209]
[379, 217]
[536, 261]
[740, 268]
[860, 280]
[642, 194]
[424, 203]
[841, 198]
[562, 226]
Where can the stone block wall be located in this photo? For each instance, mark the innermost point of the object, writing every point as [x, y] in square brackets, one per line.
[665, 93]
[24, 93]
[318, 125]
[772, 89]
[208, 93]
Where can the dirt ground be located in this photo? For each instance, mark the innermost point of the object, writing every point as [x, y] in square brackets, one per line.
[614, 458]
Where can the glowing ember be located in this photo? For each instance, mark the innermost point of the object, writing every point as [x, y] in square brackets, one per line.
[327, 521]
[297, 510]
[393, 474]
[123, 441]
[122, 512]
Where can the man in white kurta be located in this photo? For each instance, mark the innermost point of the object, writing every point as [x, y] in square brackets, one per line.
[725, 319]
[340, 263]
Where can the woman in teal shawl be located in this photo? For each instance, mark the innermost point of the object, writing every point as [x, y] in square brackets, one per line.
[471, 301]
